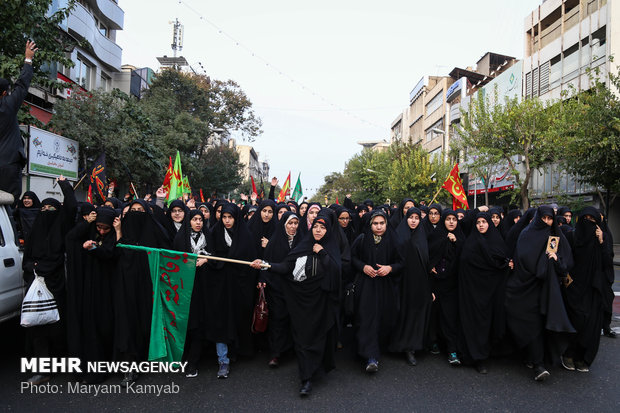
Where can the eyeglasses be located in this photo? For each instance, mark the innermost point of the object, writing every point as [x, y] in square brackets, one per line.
[433, 213]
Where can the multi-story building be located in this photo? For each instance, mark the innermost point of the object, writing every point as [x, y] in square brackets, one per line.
[251, 165]
[97, 22]
[132, 80]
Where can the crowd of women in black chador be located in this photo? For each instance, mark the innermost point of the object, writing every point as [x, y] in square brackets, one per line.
[407, 279]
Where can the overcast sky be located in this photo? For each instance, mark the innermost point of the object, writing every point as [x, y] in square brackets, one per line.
[360, 57]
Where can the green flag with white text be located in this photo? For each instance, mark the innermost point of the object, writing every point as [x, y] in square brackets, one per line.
[172, 274]
[298, 192]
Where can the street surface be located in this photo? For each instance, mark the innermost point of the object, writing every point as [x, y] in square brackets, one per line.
[431, 386]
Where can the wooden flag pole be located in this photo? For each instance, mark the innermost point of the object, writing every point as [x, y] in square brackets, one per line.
[211, 257]
[134, 190]
[437, 193]
[80, 181]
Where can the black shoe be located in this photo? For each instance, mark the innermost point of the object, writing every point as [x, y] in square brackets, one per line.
[274, 362]
[306, 388]
[411, 358]
[540, 373]
[481, 367]
[610, 333]
[434, 349]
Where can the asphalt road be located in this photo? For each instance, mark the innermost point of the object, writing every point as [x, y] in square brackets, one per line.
[431, 386]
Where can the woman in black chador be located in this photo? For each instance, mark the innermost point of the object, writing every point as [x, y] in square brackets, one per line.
[378, 262]
[445, 244]
[410, 331]
[90, 286]
[45, 255]
[585, 295]
[230, 288]
[284, 239]
[133, 298]
[401, 211]
[483, 269]
[192, 237]
[535, 309]
[26, 212]
[310, 284]
[262, 224]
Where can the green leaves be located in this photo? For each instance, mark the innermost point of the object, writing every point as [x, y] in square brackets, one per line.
[400, 171]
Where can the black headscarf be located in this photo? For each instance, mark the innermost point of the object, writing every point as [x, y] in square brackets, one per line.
[35, 200]
[398, 215]
[213, 220]
[115, 201]
[105, 215]
[426, 222]
[444, 254]
[498, 211]
[509, 221]
[280, 207]
[513, 233]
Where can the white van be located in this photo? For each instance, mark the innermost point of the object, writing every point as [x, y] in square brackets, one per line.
[11, 274]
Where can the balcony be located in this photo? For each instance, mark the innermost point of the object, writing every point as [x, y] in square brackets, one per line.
[111, 14]
[82, 23]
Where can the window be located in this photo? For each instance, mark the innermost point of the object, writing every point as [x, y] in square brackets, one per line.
[83, 73]
[105, 82]
[432, 132]
[555, 71]
[571, 61]
[434, 104]
[598, 44]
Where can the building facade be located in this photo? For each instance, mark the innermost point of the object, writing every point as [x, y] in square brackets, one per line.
[251, 164]
[96, 21]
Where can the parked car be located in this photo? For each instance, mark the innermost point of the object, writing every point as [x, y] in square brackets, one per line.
[11, 274]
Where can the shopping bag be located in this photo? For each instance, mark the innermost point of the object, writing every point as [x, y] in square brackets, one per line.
[39, 306]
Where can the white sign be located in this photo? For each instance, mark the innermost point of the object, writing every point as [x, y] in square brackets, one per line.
[52, 155]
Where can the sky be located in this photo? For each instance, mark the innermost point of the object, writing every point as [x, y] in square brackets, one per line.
[323, 75]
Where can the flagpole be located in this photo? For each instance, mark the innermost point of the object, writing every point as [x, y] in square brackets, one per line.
[437, 193]
[211, 257]
[134, 189]
[80, 181]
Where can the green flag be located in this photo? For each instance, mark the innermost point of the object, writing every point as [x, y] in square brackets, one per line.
[172, 274]
[298, 192]
[176, 181]
[186, 188]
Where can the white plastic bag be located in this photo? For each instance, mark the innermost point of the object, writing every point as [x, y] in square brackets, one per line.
[39, 306]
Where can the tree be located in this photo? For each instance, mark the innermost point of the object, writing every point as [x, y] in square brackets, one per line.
[222, 173]
[23, 20]
[403, 170]
[114, 123]
[591, 126]
[519, 133]
[186, 109]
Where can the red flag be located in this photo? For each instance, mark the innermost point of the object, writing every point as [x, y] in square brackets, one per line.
[202, 198]
[286, 188]
[89, 197]
[337, 203]
[456, 204]
[454, 185]
[253, 186]
[168, 177]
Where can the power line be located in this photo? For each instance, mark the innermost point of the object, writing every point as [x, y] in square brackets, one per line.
[276, 69]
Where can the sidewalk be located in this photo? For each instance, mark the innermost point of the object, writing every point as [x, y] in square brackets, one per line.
[616, 254]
